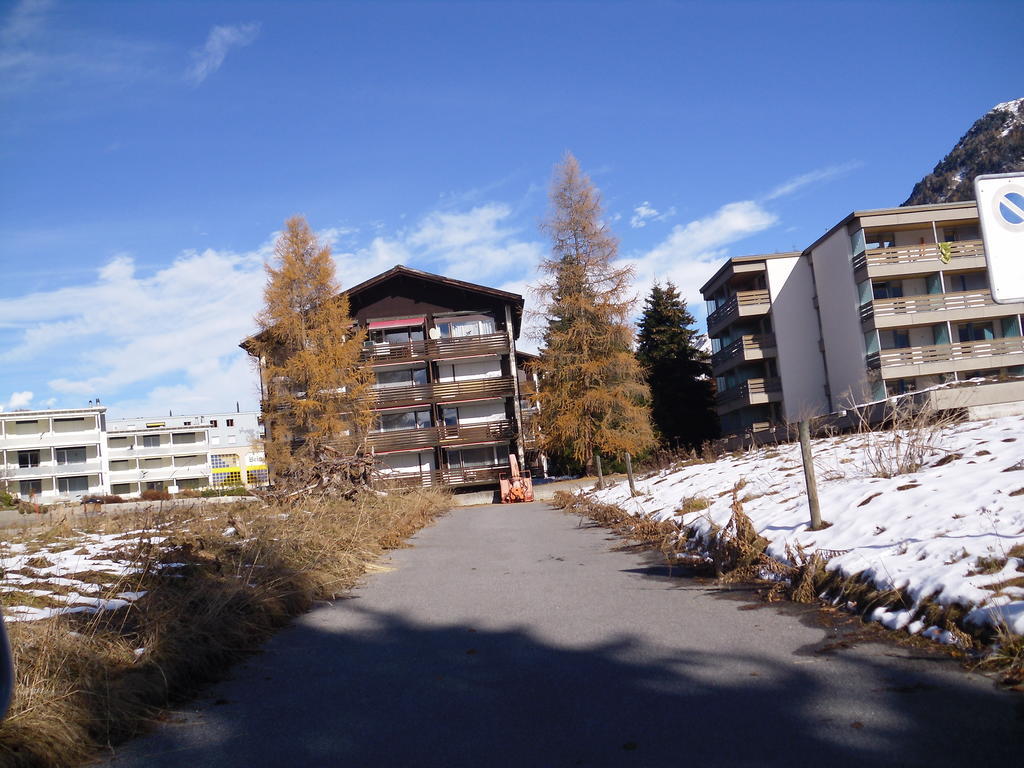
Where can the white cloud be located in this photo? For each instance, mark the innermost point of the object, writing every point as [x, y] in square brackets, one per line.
[691, 252]
[811, 177]
[17, 400]
[152, 341]
[644, 213]
[123, 331]
[220, 40]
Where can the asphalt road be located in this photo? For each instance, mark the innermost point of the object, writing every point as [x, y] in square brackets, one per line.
[509, 636]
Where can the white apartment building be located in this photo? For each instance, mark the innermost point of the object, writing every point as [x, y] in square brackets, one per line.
[764, 341]
[50, 455]
[887, 301]
[904, 304]
[63, 455]
[177, 453]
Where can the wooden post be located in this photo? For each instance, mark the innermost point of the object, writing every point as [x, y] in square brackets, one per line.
[629, 474]
[812, 485]
[600, 474]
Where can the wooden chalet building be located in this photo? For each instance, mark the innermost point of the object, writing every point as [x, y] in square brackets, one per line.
[452, 398]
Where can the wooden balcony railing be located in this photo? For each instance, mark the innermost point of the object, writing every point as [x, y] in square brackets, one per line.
[444, 477]
[749, 388]
[731, 308]
[748, 343]
[909, 254]
[938, 353]
[435, 349]
[498, 386]
[933, 302]
[400, 439]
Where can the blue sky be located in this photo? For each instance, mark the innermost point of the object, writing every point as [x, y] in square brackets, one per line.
[149, 152]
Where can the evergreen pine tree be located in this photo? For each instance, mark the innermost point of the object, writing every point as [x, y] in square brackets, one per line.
[678, 370]
[316, 389]
[593, 394]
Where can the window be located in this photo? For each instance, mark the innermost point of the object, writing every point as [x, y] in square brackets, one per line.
[121, 488]
[959, 234]
[227, 478]
[28, 459]
[474, 458]
[70, 456]
[183, 438]
[389, 379]
[151, 441]
[974, 331]
[224, 460]
[73, 484]
[476, 325]
[257, 477]
[120, 466]
[155, 485]
[879, 240]
[401, 335]
[213, 423]
[888, 290]
[29, 488]
[407, 420]
[187, 424]
[967, 281]
[230, 422]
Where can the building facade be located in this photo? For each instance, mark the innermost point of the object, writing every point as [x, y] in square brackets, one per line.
[64, 455]
[887, 301]
[449, 389]
[179, 453]
[54, 454]
[764, 341]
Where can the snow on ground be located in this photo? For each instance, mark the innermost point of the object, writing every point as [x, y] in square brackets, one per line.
[944, 532]
[47, 571]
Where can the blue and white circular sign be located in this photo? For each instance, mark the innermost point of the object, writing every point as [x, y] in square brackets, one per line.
[1008, 203]
[1000, 199]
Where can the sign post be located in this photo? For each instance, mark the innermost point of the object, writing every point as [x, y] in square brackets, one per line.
[1000, 199]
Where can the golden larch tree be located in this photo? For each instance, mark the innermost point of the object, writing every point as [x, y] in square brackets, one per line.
[593, 393]
[317, 391]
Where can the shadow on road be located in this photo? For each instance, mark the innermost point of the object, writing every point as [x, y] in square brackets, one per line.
[398, 694]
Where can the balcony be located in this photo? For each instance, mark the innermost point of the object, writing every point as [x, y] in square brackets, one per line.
[15, 472]
[168, 473]
[166, 449]
[443, 391]
[745, 349]
[932, 308]
[740, 304]
[946, 358]
[461, 434]
[750, 392]
[436, 349]
[444, 477]
[918, 259]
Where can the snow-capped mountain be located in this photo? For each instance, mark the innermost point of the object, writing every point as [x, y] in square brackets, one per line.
[994, 144]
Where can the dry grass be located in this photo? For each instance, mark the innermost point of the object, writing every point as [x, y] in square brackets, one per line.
[89, 680]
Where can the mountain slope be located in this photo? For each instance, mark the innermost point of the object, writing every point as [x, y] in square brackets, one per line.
[994, 144]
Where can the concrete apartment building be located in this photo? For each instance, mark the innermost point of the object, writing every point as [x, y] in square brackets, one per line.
[64, 455]
[179, 453]
[887, 301]
[51, 454]
[449, 385]
[764, 341]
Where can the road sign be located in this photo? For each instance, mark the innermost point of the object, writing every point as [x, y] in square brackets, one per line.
[1000, 199]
